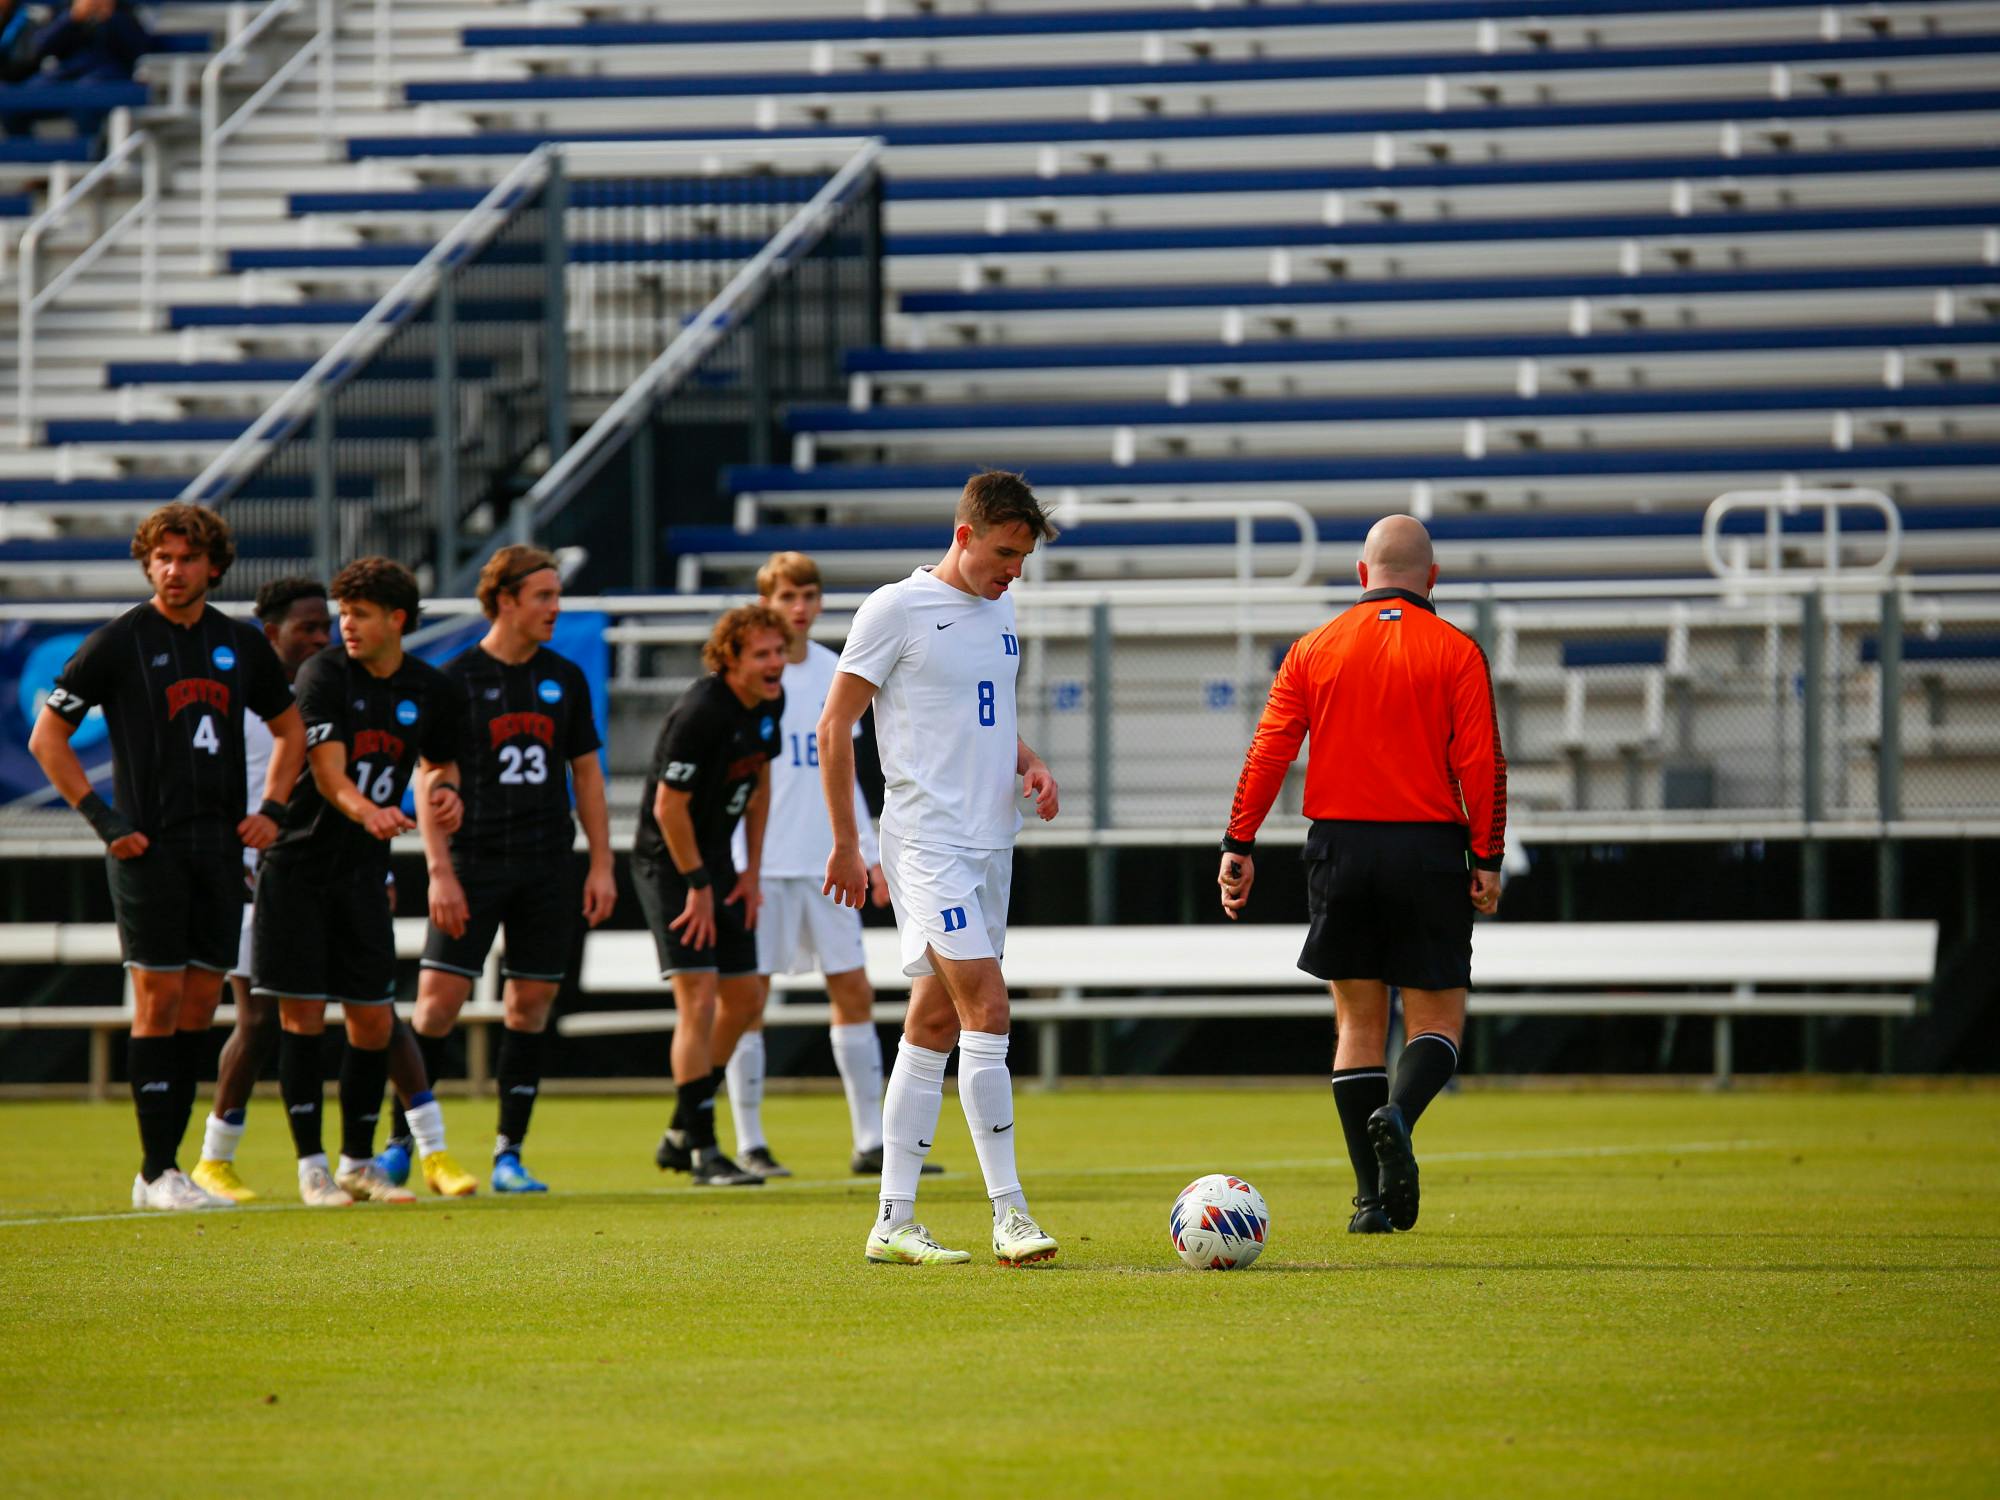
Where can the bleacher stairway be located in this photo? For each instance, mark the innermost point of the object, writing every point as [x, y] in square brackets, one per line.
[1542, 272]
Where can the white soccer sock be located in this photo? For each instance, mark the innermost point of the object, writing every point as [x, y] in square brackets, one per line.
[427, 1126]
[986, 1092]
[347, 1163]
[909, 1126]
[317, 1159]
[745, 1074]
[218, 1139]
[857, 1053]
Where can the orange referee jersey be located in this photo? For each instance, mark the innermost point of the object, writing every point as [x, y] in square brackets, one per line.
[1399, 705]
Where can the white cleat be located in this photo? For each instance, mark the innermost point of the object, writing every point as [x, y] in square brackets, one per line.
[910, 1245]
[317, 1189]
[368, 1181]
[1019, 1241]
[171, 1191]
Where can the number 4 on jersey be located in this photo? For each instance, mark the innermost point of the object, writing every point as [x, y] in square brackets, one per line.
[204, 735]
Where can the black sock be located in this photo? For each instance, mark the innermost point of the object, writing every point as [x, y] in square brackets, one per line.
[190, 1049]
[151, 1060]
[303, 1089]
[363, 1076]
[1427, 1063]
[519, 1072]
[1357, 1094]
[694, 1110]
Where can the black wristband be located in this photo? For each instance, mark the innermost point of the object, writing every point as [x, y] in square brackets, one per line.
[1491, 866]
[697, 878]
[1238, 846]
[111, 824]
[272, 809]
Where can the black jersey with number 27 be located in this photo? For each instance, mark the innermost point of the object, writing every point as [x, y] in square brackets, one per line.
[712, 748]
[386, 723]
[526, 722]
[173, 698]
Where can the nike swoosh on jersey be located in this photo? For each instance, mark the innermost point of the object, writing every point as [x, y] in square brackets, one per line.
[947, 624]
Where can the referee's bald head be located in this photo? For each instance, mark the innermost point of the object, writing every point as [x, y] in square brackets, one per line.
[1397, 555]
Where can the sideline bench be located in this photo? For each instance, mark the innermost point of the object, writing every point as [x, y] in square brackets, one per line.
[95, 945]
[1723, 970]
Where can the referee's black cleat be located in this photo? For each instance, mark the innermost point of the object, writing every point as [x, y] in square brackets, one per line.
[713, 1169]
[869, 1164]
[1396, 1163]
[674, 1154]
[1369, 1218]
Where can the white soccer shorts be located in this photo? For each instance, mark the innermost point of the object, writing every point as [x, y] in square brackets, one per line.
[802, 931]
[951, 900]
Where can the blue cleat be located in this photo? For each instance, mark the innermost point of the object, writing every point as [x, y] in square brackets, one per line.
[394, 1160]
[509, 1176]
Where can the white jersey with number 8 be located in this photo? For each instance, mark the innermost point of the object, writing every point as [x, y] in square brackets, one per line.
[944, 663]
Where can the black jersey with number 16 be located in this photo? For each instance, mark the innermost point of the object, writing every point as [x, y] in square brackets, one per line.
[386, 724]
[526, 721]
[173, 698]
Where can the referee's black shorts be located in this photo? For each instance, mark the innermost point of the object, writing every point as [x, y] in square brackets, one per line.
[1389, 901]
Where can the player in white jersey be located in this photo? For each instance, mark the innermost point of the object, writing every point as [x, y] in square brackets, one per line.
[938, 653]
[798, 930]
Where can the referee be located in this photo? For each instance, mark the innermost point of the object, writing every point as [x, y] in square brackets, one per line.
[1406, 787]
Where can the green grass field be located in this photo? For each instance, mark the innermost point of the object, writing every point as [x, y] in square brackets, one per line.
[1674, 1294]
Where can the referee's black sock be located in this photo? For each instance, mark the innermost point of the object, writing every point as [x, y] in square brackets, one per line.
[1357, 1094]
[694, 1110]
[1427, 1063]
[302, 1088]
[151, 1062]
[519, 1072]
[189, 1049]
[363, 1076]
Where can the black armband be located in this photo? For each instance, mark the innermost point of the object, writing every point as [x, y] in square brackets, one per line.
[697, 879]
[272, 809]
[111, 824]
[1238, 846]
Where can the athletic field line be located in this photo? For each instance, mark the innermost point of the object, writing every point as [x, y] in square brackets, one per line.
[1547, 1153]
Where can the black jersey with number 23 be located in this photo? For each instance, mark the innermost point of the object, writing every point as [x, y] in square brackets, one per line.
[386, 724]
[526, 722]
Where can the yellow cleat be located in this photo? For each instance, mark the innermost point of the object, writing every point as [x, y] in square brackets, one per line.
[219, 1178]
[447, 1178]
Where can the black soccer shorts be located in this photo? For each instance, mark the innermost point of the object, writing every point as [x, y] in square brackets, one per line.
[663, 896]
[177, 909]
[322, 940]
[540, 905]
[1389, 901]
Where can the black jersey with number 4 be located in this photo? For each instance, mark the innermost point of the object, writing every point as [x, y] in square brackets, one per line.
[712, 748]
[173, 698]
[526, 721]
[386, 724]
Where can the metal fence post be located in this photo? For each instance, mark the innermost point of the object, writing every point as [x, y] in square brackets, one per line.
[326, 516]
[555, 307]
[1103, 902]
[1812, 729]
[444, 408]
[645, 523]
[1889, 755]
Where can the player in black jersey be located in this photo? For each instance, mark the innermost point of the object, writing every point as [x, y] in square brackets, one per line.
[322, 929]
[174, 676]
[529, 721]
[712, 766]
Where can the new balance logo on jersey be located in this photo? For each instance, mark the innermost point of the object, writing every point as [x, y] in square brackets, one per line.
[191, 690]
[954, 918]
[160, 660]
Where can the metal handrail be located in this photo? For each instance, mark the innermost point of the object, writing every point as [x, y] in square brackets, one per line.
[34, 298]
[703, 332]
[1776, 505]
[215, 130]
[397, 306]
[1245, 513]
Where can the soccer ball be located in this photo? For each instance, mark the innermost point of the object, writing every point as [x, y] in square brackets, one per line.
[1219, 1222]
